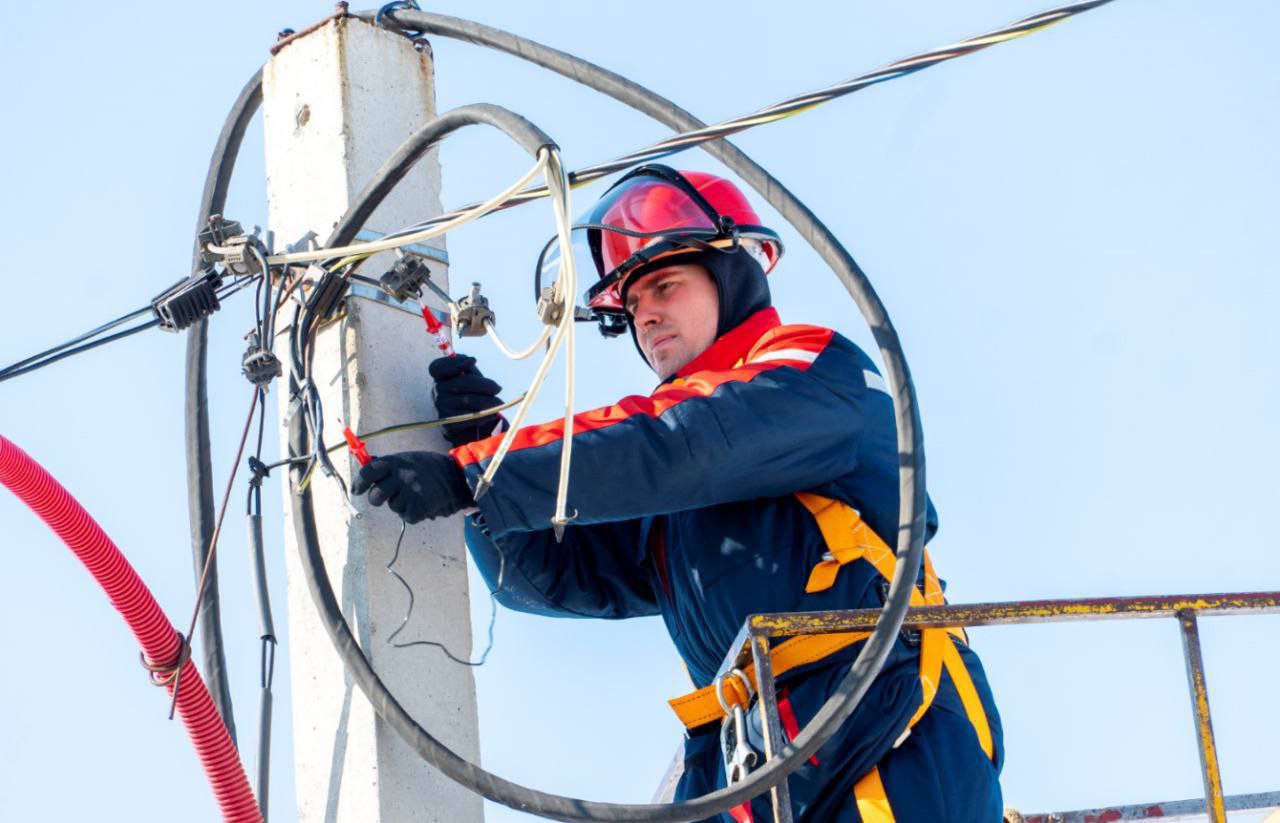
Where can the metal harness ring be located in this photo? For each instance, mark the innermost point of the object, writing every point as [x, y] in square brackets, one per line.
[719, 686]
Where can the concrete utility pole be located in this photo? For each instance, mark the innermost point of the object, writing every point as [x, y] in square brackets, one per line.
[336, 103]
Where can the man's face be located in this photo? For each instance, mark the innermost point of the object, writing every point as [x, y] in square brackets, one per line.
[676, 311]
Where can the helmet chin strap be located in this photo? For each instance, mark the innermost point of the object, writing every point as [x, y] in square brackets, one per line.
[741, 287]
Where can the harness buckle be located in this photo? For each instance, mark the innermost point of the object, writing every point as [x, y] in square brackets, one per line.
[739, 757]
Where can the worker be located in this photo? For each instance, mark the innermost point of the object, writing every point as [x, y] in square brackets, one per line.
[761, 475]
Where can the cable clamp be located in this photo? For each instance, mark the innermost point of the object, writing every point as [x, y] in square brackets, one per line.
[404, 280]
[326, 294]
[243, 255]
[225, 241]
[217, 231]
[473, 313]
[549, 309]
[259, 365]
[258, 471]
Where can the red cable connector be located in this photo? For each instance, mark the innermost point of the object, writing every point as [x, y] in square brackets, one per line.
[436, 328]
[357, 446]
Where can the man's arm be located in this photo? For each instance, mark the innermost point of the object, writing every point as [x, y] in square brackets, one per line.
[595, 571]
[791, 418]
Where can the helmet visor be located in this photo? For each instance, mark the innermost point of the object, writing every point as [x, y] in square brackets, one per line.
[635, 213]
[637, 220]
[587, 241]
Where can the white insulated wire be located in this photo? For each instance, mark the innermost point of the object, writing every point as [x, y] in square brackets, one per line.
[565, 287]
[517, 421]
[388, 243]
[517, 355]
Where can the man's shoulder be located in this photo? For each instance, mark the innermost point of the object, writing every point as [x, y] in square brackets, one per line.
[822, 352]
[799, 343]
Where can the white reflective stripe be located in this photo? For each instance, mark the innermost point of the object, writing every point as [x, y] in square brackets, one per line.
[787, 354]
[874, 381]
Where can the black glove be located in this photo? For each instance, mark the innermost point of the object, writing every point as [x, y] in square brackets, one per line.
[415, 485]
[462, 389]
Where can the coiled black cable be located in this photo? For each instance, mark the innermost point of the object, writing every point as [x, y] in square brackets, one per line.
[453, 766]
[36, 362]
[199, 464]
[910, 543]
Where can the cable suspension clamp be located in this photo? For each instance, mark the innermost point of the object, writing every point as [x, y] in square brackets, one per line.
[188, 300]
[218, 231]
[243, 256]
[224, 249]
[225, 241]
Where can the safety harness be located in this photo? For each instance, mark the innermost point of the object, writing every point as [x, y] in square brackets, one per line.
[850, 539]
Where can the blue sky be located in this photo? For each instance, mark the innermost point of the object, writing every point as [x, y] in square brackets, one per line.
[1074, 234]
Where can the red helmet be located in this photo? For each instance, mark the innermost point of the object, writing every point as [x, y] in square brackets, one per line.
[655, 212]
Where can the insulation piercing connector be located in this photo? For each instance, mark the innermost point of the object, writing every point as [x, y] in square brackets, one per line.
[436, 328]
[357, 446]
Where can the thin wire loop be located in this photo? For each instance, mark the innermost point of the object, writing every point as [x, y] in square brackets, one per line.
[493, 610]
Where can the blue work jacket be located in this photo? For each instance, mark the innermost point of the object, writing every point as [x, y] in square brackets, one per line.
[685, 508]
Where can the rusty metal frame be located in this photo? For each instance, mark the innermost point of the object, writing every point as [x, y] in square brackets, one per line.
[752, 643]
[1163, 811]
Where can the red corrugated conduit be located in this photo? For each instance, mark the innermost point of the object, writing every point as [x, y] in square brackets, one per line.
[157, 636]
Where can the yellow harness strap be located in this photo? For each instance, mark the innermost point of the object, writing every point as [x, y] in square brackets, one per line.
[873, 803]
[849, 539]
[702, 706]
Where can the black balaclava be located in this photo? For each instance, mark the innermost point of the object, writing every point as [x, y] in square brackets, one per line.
[741, 286]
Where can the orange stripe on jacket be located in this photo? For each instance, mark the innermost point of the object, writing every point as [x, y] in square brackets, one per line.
[802, 339]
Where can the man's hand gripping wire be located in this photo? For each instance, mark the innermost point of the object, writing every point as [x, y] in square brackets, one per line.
[305, 322]
[382, 484]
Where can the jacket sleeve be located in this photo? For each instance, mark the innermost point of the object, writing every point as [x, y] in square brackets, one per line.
[595, 571]
[790, 418]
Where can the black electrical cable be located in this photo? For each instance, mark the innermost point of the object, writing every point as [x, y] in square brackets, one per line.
[11, 373]
[62, 352]
[111, 324]
[200, 502]
[495, 788]
[266, 624]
